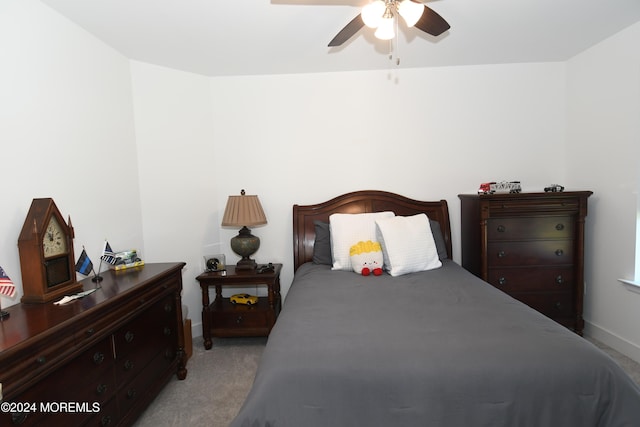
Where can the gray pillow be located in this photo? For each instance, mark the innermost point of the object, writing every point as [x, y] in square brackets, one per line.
[441, 246]
[322, 244]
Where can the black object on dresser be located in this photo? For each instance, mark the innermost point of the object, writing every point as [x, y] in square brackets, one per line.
[99, 360]
[531, 246]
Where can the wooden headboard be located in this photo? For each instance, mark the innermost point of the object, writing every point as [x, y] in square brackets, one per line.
[360, 202]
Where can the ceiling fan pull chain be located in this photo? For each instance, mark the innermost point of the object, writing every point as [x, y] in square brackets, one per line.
[397, 45]
[391, 52]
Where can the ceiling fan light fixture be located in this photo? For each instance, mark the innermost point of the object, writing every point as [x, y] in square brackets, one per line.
[385, 30]
[410, 11]
[372, 13]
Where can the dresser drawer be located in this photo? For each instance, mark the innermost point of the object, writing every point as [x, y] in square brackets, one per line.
[525, 279]
[553, 304]
[96, 385]
[108, 415]
[561, 227]
[35, 361]
[542, 252]
[155, 372]
[144, 338]
[534, 205]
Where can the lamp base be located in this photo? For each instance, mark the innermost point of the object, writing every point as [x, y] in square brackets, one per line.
[246, 264]
[245, 244]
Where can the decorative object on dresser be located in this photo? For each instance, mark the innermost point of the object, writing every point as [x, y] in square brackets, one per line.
[500, 187]
[108, 354]
[222, 318]
[46, 254]
[531, 246]
[244, 211]
[6, 288]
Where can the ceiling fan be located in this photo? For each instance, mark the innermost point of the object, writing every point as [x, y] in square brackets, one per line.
[380, 14]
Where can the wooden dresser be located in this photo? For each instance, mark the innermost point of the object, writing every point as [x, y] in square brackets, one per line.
[531, 246]
[99, 360]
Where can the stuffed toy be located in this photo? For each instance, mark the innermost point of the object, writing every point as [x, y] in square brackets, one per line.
[366, 258]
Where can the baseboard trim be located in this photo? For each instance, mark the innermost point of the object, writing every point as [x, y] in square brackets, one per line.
[629, 349]
[196, 330]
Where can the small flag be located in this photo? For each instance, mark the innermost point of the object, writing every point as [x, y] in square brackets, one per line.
[108, 255]
[84, 264]
[6, 285]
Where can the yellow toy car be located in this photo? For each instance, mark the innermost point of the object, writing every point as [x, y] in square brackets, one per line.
[243, 299]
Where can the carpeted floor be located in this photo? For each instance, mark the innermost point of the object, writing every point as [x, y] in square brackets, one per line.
[629, 365]
[219, 380]
[217, 383]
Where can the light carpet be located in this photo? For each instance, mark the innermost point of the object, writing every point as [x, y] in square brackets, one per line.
[217, 383]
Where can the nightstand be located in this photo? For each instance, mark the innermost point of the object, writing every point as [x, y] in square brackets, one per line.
[221, 318]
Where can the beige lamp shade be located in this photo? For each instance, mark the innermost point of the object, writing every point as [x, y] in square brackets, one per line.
[242, 211]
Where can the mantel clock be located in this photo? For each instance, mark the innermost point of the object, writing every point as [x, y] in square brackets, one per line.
[46, 254]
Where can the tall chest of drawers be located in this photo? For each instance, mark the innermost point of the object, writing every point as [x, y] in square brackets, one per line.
[531, 246]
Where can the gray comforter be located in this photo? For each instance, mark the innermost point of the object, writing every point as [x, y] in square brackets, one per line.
[436, 348]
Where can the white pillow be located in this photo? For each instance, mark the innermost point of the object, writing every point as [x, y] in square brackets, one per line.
[349, 229]
[407, 244]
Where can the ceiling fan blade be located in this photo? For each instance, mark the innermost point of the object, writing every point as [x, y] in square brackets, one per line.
[348, 31]
[432, 23]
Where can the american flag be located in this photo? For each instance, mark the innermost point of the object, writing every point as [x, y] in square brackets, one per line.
[108, 255]
[6, 285]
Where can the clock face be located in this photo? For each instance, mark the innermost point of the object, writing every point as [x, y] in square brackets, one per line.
[54, 241]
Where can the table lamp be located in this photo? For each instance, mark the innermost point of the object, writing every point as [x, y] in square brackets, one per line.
[244, 211]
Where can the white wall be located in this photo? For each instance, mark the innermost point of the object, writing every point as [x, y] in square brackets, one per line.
[603, 155]
[424, 133]
[66, 132]
[177, 163]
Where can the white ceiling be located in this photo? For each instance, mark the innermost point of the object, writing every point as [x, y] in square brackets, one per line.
[245, 37]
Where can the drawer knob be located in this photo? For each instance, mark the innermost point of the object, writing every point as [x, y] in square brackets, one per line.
[501, 229]
[501, 254]
[560, 227]
[98, 357]
[105, 421]
[559, 280]
[239, 319]
[559, 252]
[128, 337]
[131, 393]
[41, 360]
[167, 331]
[101, 388]
[90, 332]
[18, 418]
[168, 307]
[128, 365]
[502, 281]
[558, 305]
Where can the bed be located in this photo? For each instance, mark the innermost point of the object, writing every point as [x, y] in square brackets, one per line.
[438, 347]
